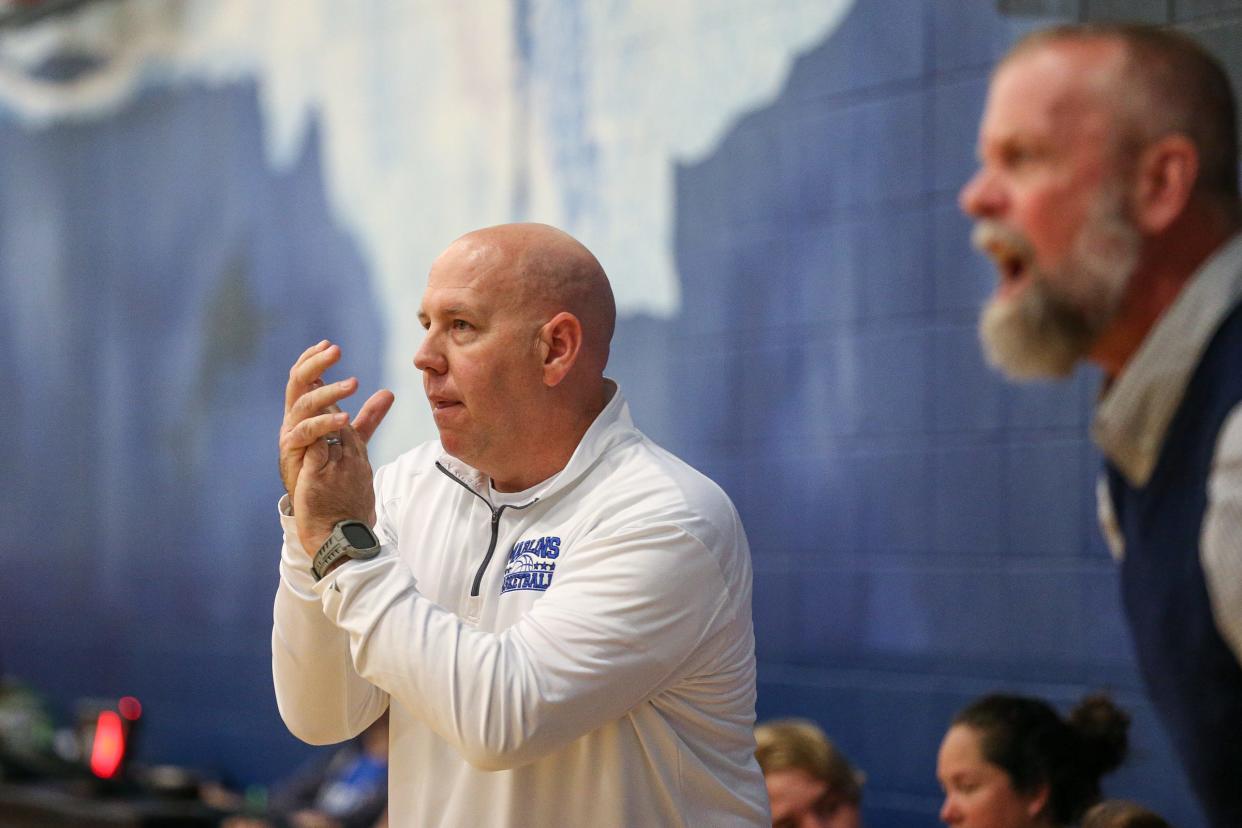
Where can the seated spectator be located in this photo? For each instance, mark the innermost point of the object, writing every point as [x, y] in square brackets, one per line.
[1117, 813]
[1013, 761]
[810, 783]
[346, 789]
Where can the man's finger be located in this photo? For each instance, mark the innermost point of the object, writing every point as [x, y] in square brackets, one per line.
[372, 413]
[314, 349]
[304, 434]
[321, 399]
[309, 368]
[318, 347]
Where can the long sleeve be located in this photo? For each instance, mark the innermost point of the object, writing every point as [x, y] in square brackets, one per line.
[1221, 541]
[321, 698]
[621, 621]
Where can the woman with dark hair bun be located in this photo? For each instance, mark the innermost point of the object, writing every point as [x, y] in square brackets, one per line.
[1013, 762]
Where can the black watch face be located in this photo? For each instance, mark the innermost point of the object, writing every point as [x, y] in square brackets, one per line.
[358, 535]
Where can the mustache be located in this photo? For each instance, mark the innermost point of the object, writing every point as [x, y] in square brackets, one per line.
[1000, 240]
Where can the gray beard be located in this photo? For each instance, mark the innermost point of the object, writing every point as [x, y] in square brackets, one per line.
[1036, 336]
[1052, 324]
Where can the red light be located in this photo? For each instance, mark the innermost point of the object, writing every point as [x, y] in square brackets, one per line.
[109, 747]
[130, 707]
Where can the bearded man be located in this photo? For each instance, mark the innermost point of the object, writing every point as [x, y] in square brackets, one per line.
[1107, 196]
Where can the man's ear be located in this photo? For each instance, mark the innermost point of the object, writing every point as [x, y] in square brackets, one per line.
[560, 342]
[1165, 179]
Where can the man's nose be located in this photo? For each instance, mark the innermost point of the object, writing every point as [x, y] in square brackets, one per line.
[982, 196]
[429, 357]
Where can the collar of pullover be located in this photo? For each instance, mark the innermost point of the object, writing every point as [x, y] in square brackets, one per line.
[612, 427]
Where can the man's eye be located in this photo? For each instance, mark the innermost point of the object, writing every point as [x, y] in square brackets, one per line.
[460, 325]
[1017, 156]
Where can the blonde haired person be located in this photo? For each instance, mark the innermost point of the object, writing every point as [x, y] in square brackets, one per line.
[810, 783]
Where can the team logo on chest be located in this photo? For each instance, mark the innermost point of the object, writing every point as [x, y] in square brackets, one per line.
[531, 564]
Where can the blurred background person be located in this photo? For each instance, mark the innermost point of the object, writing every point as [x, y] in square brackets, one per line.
[811, 784]
[1013, 762]
[1107, 196]
[1118, 813]
[345, 788]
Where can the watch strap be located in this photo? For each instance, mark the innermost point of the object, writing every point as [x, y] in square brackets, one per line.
[338, 546]
[333, 548]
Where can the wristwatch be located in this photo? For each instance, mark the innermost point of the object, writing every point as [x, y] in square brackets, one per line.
[350, 539]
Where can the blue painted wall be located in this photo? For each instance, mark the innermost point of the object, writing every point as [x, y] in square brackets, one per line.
[157, 282]
[922, 532]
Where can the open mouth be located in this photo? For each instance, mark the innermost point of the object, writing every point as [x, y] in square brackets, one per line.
[1009, 252]
[1012, 269]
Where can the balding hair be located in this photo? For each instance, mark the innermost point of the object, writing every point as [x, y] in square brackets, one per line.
[1168, 84]
[567, 276]
[550, 271]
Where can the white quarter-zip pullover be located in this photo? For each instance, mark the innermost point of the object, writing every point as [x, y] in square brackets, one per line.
[584, 657]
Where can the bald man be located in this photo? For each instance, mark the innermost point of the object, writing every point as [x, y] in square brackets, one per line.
[555, 610]
[1107, 195]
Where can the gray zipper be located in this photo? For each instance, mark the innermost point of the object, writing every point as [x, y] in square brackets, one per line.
[496, 511]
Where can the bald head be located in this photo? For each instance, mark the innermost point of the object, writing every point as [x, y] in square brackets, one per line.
[518, 318]
[540, 271]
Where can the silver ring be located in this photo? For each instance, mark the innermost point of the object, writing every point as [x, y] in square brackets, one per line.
[332, 440]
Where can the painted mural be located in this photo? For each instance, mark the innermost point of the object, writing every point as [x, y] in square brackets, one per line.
[436, 118]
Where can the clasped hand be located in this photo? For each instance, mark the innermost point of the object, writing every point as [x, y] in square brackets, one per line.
[327, 481]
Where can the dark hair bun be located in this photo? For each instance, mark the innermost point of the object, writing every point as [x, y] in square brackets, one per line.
[1103, 729]
[1028, 740]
